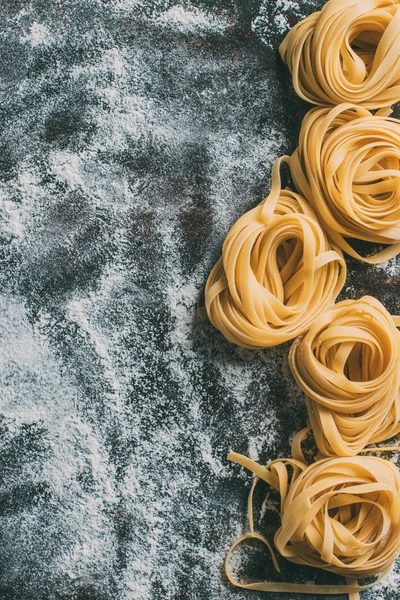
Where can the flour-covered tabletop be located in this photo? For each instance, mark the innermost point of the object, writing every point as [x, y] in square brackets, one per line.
[133, 134]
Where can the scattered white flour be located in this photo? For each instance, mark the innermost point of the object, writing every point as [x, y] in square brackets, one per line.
[11, 226]
[182, 16]
[67, 167]
[390, 582]
[206, 449]
[20, 202]
[90, 314]
[275, 19]
[38, 35]
[286, 5]
[391, 268]
[191, 20]
[238, 162]
[141, 8]
[36, 394]
[183, 303]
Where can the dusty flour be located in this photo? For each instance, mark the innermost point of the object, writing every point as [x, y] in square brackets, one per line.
[276, 18]
[37, 35]
[51, 463]
[190, 19]
[136, 134]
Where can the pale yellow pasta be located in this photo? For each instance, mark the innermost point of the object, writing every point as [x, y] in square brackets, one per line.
[349, 51]
[348, 366]
[339, 514]
[347, 165]
[277, 272]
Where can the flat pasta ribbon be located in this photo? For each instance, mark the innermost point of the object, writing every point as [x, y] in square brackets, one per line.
[341, 515]
[347, 52]
[347, 165]
[348, 366]
[277, 272]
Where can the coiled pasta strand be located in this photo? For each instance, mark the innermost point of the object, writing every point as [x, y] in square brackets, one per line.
[348, 366]
[347, 165]
[338, 514]
[347, 52]
[277, 272]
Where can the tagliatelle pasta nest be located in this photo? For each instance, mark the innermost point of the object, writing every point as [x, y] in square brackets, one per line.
[347, 52]
[338, 514]
[277, 272]
[348, 366]
[347, 165]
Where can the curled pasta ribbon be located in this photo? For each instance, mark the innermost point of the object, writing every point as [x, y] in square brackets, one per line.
[277, 272]
[339, 514]
[349, 51]
[347, 165]
[348, 366]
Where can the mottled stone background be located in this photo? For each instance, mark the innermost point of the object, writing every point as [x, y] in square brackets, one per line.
[132, 134]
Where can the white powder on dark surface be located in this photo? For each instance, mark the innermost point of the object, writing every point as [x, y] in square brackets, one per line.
[37, 35]
[66, 167]
[139, 134]
[37, 395]
[391, 268]
[275, 19]
[183, 17]
[191, 19]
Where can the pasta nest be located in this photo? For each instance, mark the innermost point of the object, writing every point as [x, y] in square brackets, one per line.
[338, 514]
[347, 52]
[342, 515]
[347, 165]
[277, 272]
[348, 366]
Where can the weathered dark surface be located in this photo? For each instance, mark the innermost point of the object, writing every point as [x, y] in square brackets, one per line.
[133, 134]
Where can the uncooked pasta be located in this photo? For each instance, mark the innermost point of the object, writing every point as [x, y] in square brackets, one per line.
[349, 51]
[347, 165]
[348, 366]
[338, 514]
[277, 273]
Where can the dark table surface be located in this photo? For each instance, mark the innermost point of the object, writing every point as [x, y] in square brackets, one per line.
[133, 133]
